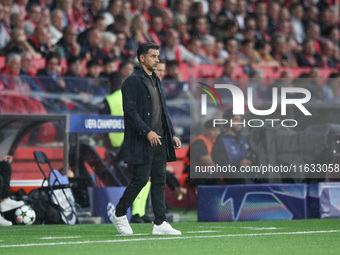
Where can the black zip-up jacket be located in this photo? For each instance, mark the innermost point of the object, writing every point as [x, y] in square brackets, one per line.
[137, 106]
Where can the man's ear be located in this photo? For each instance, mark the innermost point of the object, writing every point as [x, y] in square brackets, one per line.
[141, 57]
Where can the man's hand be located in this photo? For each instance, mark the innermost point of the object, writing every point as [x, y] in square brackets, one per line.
[7, 158]
[153, 139]
[177, 142]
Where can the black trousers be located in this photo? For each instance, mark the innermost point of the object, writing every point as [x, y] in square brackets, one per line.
[141, 173]
[5, 177]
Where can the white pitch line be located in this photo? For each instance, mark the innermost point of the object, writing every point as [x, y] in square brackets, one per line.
[202, 231]
[168, 238]
[59, 237]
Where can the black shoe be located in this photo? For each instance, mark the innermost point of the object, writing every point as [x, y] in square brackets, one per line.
[136, 219]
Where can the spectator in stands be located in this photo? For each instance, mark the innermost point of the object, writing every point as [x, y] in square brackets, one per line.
[121, 52]
[125, 68]
[115, 8]
[9, 75]
[247, 33]
[156, 7]
[97, 86]
[156, 31]
[194, 46]
[93, 69]
[231, 47]
[262, 51]
[27, 74]
[231, 148]
[208, 50]
[57, 25]
[228, 9]
[196, 10]
[5, 30]
[67, 7]
[262, 27]
[228, 29]
[241, 13]
[181, 7]
[332, 33]
[168, 19]
[284, 14]
[33, 18]
[327, 55]
[121, 24]
[280, 51]
[139, 33]
[79, 15]
[228, 71]
[285, 80]
[67, 46]
[296, 11]
[18, 44]
[308, 57]
[94, 10]
[108, 44]
[109, 66]
[17, 20]
[50, 75]
[181, 26]
[332, 88]
[19, 6]
[98, 24]
[199, 154]
[212, 15]
[39, 40]
[310, 14]
[91, 50]
[171, 50]
[6, 203]
[313, 33]
[273, 17]
[219, 51]
[199, 27]
[325, 19]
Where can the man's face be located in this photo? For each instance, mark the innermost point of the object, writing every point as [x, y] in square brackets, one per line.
[212, 133]
[150, 60]
[94, 71]
[53, 65]
[160, 70]
[110, 67]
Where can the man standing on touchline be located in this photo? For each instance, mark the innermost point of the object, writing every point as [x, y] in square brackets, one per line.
[149, 141]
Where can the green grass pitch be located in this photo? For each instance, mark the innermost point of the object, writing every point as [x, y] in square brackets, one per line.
[257, 237]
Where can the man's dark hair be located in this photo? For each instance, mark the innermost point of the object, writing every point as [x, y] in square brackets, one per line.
[92, 63]
[52, 55]
[144, 48]
[108, 60]
[116, 79]
[123, 64]
[73, 59]
[260, 44]
[171, 63]
[228, 114]
[98, 18]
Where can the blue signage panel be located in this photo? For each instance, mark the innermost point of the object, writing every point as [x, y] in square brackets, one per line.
[95, 124]
[252, 202]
